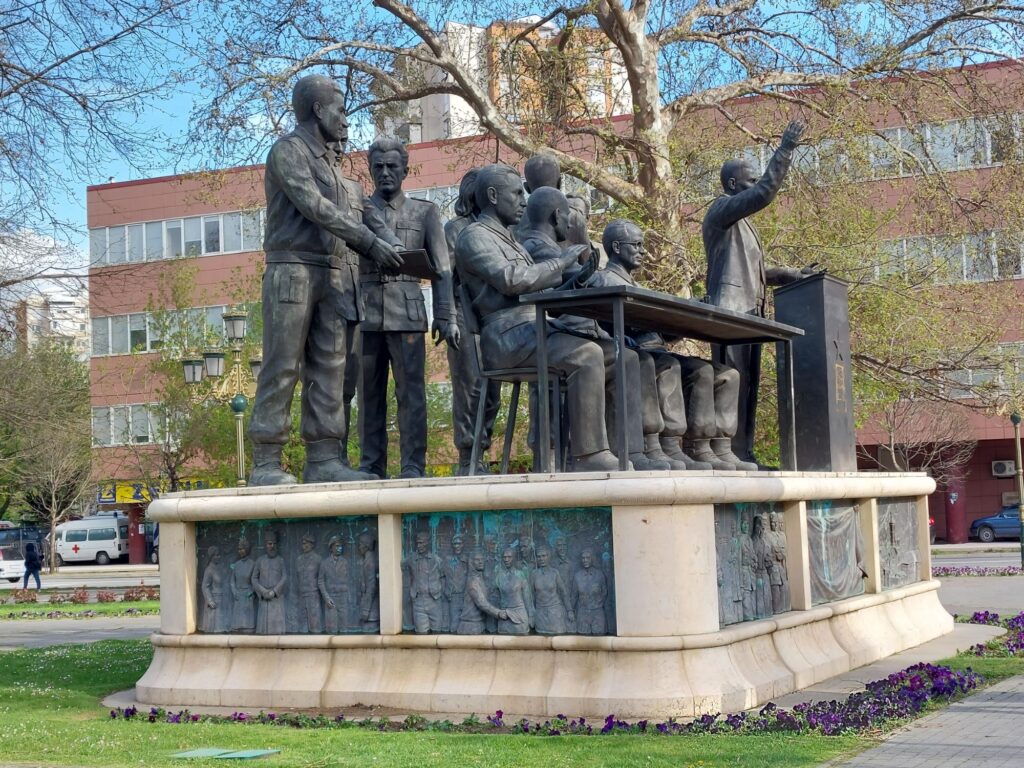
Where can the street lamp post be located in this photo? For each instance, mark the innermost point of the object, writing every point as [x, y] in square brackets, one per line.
[1015, 420]
[237, 386]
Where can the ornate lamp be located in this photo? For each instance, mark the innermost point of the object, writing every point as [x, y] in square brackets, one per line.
[193, 370]
[234, 324]
[254, 365]
[214, 362]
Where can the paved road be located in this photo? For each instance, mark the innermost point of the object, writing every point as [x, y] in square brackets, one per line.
[95, 577]
[39, 633]
[982, 731]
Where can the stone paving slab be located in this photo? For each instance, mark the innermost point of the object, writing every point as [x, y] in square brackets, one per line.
[985, 730]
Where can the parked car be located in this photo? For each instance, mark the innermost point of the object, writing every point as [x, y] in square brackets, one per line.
[12, 549]
[1004, 525]
[100, 538]
[12, 555]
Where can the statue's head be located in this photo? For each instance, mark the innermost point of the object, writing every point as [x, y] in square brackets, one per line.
[499, 191]
[543, 557]
[773, 522]
[508, 557]
[579, 216]
[547, 206]
[389, 165]
[466, 204]
[422, 542]
[244, 547]
[476, 560]
[587, 558]
[744, 525]
[561, 546]
[758, 525]
[335, 546]
[318, 99]
[213, 554]
[270, 544]
[457, 543]
[308, 542]
[542, 171]
[737, 175]
[623, 242]
[365, 543]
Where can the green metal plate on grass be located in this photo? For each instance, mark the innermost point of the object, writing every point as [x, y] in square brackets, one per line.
[247, 754]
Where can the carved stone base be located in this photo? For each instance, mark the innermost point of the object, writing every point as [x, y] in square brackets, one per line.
[727, 671]
[667, 655]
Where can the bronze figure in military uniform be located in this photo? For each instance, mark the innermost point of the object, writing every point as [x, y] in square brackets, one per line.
[737, 277]
[495, 271]
[396, 318]
[310, 293]
[697, 399]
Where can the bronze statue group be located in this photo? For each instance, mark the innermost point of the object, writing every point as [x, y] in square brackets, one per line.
[342, 309]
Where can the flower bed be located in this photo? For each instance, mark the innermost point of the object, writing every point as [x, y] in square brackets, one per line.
[900, 696]
[1010, 645]
[945, 571]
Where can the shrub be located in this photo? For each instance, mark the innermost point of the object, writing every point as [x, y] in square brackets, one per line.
[141, 592]
[26, 596]
[106, 596]
[80, 596]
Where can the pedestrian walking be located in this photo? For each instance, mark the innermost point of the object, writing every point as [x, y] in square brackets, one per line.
[33, 564]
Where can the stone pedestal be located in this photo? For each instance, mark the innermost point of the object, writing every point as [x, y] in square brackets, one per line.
[667, 654]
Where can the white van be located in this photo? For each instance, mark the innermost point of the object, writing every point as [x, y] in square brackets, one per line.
[100, 538]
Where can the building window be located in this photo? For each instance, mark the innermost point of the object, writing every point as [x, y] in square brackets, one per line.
[193, 236]
[98, 246]
[124, 425]
[154, 240]
[136, 243]
[252, 232]
[140, 424]
[101, 426]
[116, 245]
[100, 336]
[119, 340]
[172, 243]
[232, 232]
[137, 332]
[120, 433]
[211, 234]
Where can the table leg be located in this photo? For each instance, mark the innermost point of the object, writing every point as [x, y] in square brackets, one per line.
[543, 420]
[620, 383]
[787, 405]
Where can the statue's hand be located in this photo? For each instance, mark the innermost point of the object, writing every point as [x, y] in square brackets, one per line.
[452, 335]
[791, 136]
[580, 252]
[385, 255]
[330, 603]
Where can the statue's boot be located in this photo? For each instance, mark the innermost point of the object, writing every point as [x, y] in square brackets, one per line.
[602, 461]
[323, 465]
[722, 447]
[266, 469]
[672, 449]
[653, 450]
[701, 451]
[465, 455]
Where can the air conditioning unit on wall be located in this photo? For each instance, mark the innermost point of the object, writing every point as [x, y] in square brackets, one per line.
[1003, 469]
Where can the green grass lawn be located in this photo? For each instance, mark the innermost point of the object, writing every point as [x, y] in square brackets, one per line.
[50, 715]
[15, 610]
[992, 669]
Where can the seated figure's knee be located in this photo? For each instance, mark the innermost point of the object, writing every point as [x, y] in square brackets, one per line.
[724, 375]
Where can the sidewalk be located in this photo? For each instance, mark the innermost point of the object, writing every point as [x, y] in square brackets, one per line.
[975, 546]
[982, 731]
